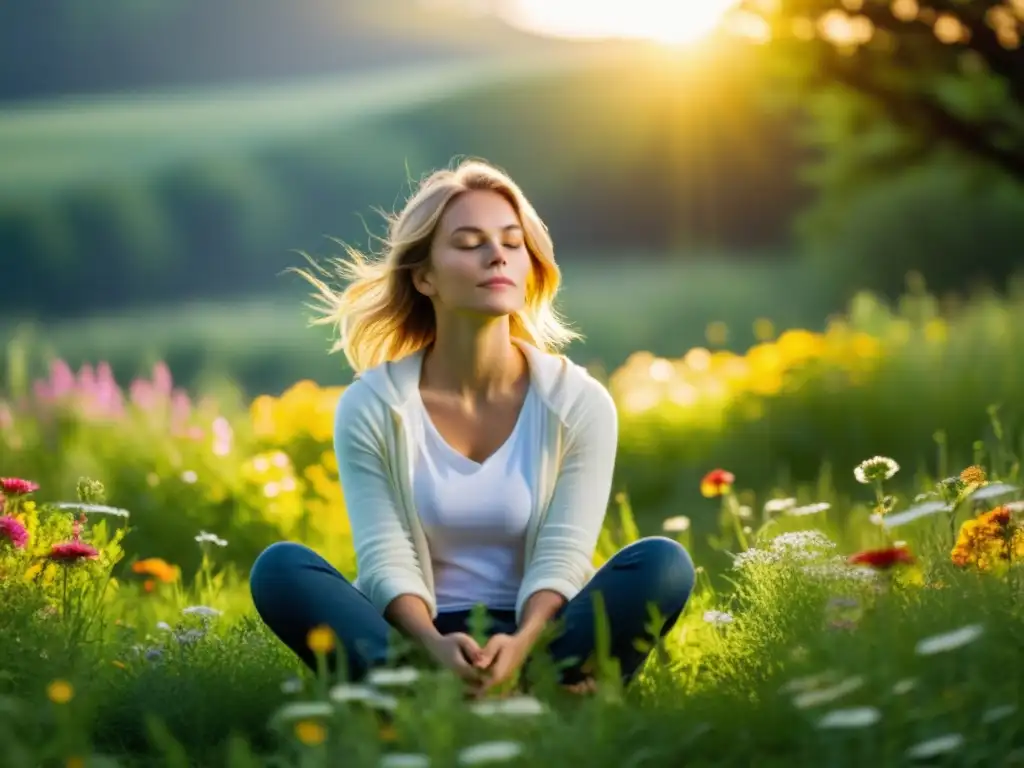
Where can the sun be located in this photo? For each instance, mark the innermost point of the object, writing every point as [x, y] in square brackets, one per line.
[663, 21]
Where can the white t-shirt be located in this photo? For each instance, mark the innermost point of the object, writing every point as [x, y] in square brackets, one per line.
[475, 515]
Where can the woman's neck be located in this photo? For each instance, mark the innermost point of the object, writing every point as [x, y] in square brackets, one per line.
[475, 362]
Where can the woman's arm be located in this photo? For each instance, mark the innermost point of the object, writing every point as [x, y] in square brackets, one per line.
[386, 559]
[564, 550]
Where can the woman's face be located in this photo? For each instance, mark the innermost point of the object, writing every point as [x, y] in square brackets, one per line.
[479, 263]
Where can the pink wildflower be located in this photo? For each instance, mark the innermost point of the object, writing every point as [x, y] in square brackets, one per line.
[72, 551]
[14, 531]
[15, 486]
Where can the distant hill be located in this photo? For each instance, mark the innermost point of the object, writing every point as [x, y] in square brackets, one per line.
[59, 47]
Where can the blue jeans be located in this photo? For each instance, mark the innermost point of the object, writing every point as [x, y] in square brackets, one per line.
[294, 590]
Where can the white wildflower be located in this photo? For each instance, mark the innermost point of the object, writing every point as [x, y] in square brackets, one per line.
[676, 524]
[718, 618]
[998, 713]
[403, 760]
[92, 509]
[164, 626]
[344, 692]
[301, 710]
[904, 686]
[876, 518]
[189, 476]
[802, 545]
[950, 640]
[934, 747]
[743, 512]
[210, 538]
[381, 701]
[393, 677]
[754, 557]
[993, 491]
[825, 695]
[490, 752]
[915, 513]
[514, 705]
[291, 685]
[875, 468]
[854, 717]
[809, 682]
[201, 610]
[774, 506]
[809, 509]
[189, 636]
[271, 489]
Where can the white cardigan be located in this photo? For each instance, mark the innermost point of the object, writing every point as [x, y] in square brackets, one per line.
[373, 441]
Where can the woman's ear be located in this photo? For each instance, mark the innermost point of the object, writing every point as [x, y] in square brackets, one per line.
[422, 280]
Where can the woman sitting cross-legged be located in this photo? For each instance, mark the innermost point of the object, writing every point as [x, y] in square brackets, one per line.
[476, 463]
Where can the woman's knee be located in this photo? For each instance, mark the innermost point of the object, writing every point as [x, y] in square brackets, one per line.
[275, 565]
[670, 569]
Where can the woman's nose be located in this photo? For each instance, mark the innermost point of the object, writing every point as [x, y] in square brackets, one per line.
[495, 253]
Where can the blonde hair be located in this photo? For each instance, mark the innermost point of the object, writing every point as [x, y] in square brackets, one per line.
[380, 316]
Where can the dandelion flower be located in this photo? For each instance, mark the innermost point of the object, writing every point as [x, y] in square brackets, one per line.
[973, 475]
[310, 733]
[853, 717]
[320, 639]
[16, 486]
[934, 747]
[490, 752]
[950, 640]
[60, 691]
[676, 524]
[14, 531]
[716, 483]
[875, 469]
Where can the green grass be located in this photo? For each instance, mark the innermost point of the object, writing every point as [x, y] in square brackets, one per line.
[70, 142]
[622, 304]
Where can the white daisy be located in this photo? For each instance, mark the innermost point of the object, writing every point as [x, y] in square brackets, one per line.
[825, 695]
[853, 717]
[875, 468]
[514, 705]
[934, 747]
[300, 710]
[349, 692]
[676, 524]
[403, 760]
[950, 640]
[393, 677]
[490, 752]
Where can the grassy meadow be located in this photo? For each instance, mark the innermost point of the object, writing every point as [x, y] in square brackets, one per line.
[859, 597]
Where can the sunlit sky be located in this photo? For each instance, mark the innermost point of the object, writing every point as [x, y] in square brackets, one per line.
[666, 21]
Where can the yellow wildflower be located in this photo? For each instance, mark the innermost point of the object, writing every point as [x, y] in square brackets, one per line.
[974, 475]
[320, 639]
[310, 733]
[60, 691]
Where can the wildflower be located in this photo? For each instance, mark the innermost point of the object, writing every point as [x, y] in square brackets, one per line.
[773, 506]
[934, 747]
[973, 475]
[12, 529]
[716, 483]
[291, 685]
[189, 476]
[303, 710]
[718, 618]
[854, 717]
[320, 639]
[393, 677]
[97, 509]
[814, 698]
[15, 486]
[310, 733]
[988, 540]
[210, 538]
[157, 568]
[404, 760]
[904, 686]
[809, 509]
[875, 469]
[344, 692]
[490, 752]
[387, 732]
[916, 512]
[515, 705]
[743, 512]
[882, 559]
[998, 713]
[676, 524]
[949, 641]
[60, 692]
[69, 552]
[201, 610]
[189, 636]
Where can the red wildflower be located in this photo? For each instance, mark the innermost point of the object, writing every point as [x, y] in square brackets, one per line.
[15, 486]
[14, 531]
[882, 559]
[716, 482]
[73, 551]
